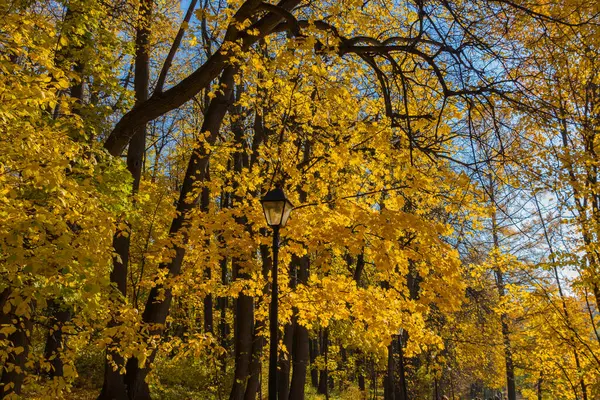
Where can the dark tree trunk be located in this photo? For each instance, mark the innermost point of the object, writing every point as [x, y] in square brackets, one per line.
[324, 373]
[373, 379]
[255, 364]
[300, 361]
[60, 312]
[208, 307]
[258, 340]
[401, 388]
[113, 386]
[222, 303]
[13, 372]
[510, 373]
[159, 299]
[313, 348]
[389, 392]
[244, 321]
[244, 312]
[208, 299]
[54, 341]
[300, 346]
[344, 362]
[283, 381]
[361, 374]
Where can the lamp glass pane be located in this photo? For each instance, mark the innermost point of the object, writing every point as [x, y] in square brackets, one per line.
[286, 213]
[273, 212]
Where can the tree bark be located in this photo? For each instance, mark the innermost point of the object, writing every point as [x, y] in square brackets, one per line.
[114, 386]
[160, 297]
[299, 270]
[244, 310]
[222, 304]
[361, 375]
[284, 362]
[389, 392]
[510, 372]
[313, 352]
[54, 340]
[258, 342]
[13, 372]
[208, 299]
[324, 373]
[401, 388]
[244, 318]
[300, 346]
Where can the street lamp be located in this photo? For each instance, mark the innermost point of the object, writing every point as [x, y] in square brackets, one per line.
[277, 209]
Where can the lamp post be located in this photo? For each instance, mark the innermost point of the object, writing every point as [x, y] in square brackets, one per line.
[277, 209]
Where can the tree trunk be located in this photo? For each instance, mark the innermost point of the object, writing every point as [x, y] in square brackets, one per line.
[258, 342]
[113, 386]
[244, 311]
[361, 374]
[208, 299]
[389, 392]
[283, 381]
[255, 364]
[510, 372]
[244, 319]
[222, 303]
[13, 372]
[313, 349]
[54, 341]
[324, 373]
[401, 388]
[60, 312]
[208, 307]
[159, 299]
[300, 346]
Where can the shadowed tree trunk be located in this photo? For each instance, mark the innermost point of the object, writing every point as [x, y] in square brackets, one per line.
[258, 342]
[243, 330]
[114, 385]
[13, 372]
[361, 375]
[324, 373]
[313, 349]
[389, 392]
[283, 381]
[61, 313]
[510, 372]
[55, 341]
[244, 309]
[401, 387]
[223, 302]
[208, 299]
[160, 297]
[300, 346]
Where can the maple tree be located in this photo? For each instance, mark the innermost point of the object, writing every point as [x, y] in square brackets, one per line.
[441, 156]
